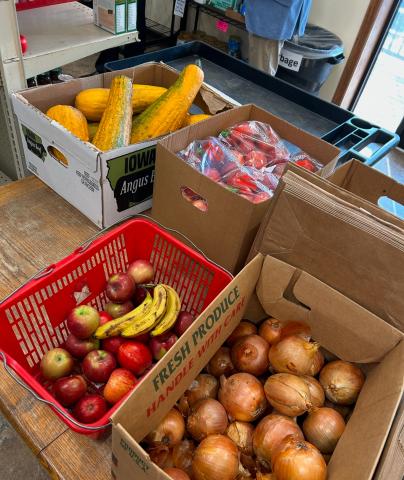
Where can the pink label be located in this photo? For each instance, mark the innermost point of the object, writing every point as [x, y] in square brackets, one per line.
[222, 25]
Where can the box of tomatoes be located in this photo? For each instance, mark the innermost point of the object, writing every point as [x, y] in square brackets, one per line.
[214, 180]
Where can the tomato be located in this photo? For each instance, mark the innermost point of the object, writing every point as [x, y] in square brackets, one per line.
[244, 128]
[134, 356]
[214, 152]
[242, 181]
[212, 173]
[307, 164]
[238, 157]
[256, 159]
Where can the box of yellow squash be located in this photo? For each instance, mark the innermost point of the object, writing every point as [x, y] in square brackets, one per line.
[105, 186]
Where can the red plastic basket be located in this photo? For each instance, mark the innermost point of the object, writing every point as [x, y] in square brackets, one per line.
[32, 320]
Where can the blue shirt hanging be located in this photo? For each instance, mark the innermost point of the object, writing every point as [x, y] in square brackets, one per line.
[277, 19]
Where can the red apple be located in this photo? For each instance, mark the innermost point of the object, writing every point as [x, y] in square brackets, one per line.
[134, 356]
[56, 363]
[160, 345]
[112, 344]
[118, 309]
[83, 321]
[139, 295]
[90, 408]
[78, 347]
[184, 320]
[68, 390]
[98, 365]
[141, 271]
[143, 338]
[120, 288]
[104, 317]
[119, 384]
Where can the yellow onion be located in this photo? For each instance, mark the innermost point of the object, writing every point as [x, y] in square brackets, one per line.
[317, 395]
[270, 330]
[342, 382]
[250, 355]
[241, 433]
[216, 458]
[296, 328]
[204, 386]
[221, 364]
[343, 410]
[161, 456]
[269, 433]
[169, 432]
[296, 459]
[207, 417]
[265, 476]
[323, 428]
[288, 394]
[243, 329]
[176, 473]
[243, 397]
[182, 455]
[317, 364]
[295, 355]
[249, 464]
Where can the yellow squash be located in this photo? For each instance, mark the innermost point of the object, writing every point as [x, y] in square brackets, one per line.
[191, 119]
[71, 118]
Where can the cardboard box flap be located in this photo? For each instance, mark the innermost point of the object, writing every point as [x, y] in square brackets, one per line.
[338, 324]
[369, 425]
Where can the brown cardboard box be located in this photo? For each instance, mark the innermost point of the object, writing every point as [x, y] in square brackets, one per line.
[338, 323]
[226, 231]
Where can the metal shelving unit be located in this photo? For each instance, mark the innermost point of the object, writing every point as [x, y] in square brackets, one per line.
[56, 35]
[213, 12]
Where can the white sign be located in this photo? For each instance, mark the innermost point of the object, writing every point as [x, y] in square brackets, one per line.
[179, 8]
[290, 60]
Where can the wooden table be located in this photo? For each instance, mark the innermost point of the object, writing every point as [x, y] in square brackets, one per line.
[38, 228]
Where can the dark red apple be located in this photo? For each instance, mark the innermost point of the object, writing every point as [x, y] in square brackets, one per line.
[112, 344]
[90, 408]
[98, 365]
[56, 363]
[118, 309]
[139, 295]
[143, 338]
[104, 317]
[79, 348]
[68, 390]
[183, 322]
[141, 271]
[120, 288]
[160, 345]
[83, 321]
[134, 356]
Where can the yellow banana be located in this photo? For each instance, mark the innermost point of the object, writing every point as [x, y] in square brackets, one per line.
[172, 311]
[115, 327]
[148, 321]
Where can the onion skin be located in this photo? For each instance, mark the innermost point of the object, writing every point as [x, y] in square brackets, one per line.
[204, 386]
[323, 428]
[342, 382]
[288, 394]
[270, 432]
[176, 473]
[295, 355]
[161, 456]
[241, 433]
[243, 397]
[250, 355]
[216, 458]
[221, 364]
[317, 364]
[207, 417]
[270, 330]
[243, 329]
[296, 328]
[317, 395]
[182, 455]
[169, 432]
[298, 460]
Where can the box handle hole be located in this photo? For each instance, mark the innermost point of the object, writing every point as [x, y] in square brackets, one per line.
[58, 156]
[194, 198]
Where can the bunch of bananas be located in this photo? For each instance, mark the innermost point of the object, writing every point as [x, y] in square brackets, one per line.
[155, 314]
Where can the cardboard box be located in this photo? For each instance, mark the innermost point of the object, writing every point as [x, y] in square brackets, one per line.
[104, 186]
[339, 324]
[110, 15]
[226, 231]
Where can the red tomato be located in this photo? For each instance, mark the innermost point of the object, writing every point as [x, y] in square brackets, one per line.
[238, 156]
[134, 356]
[212, 173]
[244, 129]
[242, 181]
[307, 164]
[214, 152]
[256, 159]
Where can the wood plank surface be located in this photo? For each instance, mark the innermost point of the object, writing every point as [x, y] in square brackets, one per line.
[38, 228]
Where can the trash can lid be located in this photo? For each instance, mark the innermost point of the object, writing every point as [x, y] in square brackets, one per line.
[317, 42]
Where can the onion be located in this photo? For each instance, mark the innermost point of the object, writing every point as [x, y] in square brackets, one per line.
[204, 386]
[241, 433]
[270, 330]
[249, 464]
[176, 473]
[207, 417]
[318, 363]
[294, 354]
[220, 363]
[169, 432]
[342, 382]
[296, 459]
[243, 397]
[296, 328]
[323, 428]
[343, 410]
[243, 329]
[216, 458]
[288, 394]
[161, 456]
[265, 476]
[317, 395]
[182, 455]
[269, 433]
[250, 355]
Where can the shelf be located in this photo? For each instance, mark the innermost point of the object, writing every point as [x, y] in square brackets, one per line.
[61, 34]
[217, 13]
